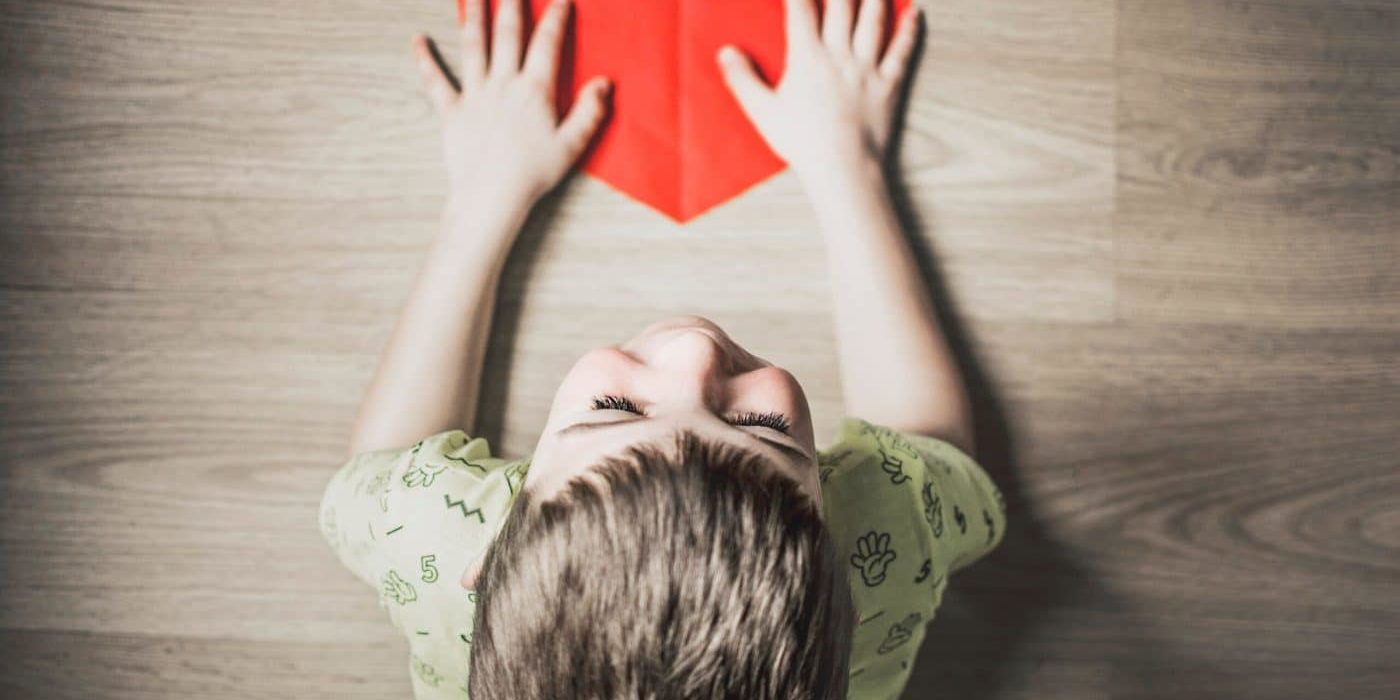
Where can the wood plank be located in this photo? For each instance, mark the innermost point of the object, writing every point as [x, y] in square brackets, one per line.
[61, 665]
[1259, 163]
[1166, 229]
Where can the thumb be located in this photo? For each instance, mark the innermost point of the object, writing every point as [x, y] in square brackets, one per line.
[584, 117]
[745, 84]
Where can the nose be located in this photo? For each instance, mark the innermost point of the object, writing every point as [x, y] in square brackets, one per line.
[695, 357]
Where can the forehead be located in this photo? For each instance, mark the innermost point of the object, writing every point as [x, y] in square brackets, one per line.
[573, 454]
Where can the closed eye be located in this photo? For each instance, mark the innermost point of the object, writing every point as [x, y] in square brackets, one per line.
[608, 402]
[775, 421]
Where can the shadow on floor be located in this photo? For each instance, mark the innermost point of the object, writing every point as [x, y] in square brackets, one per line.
[1031, 583]
[995, 604]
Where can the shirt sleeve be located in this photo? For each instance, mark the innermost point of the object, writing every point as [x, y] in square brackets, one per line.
[905, 511]
[408, 523]
[963, 512]
[445, 496]
[958, 497]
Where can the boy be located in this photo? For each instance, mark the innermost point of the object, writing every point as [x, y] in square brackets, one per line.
[676, 533]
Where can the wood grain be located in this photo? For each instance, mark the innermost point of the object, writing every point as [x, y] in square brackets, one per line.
[76, 665]
[1165, 234]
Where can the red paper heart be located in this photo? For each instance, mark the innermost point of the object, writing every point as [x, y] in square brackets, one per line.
[675, 138]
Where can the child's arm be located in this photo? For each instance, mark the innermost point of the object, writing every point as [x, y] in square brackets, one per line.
[831, 118]
[504, 148]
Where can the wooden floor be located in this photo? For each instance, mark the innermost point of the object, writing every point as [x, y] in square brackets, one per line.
[1169, 233]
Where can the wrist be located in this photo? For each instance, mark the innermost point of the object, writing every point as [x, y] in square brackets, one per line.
[476, 206]
[844, 180]
[481, 229]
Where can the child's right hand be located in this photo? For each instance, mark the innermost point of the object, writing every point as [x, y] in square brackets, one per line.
[834, 108]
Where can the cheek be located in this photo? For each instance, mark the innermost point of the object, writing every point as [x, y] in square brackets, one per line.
[775, 387]
[599, 371]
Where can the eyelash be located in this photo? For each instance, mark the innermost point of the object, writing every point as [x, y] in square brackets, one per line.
[776, 421]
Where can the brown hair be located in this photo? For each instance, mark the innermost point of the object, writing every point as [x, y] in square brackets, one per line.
[701, 574]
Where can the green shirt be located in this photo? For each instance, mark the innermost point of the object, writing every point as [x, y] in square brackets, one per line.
[905, 511]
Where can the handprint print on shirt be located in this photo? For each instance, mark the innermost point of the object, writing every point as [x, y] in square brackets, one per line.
[425, 671]
[422, 474]
[872, 556]
[894, 466]
[933, 509]
[378, 483]
[397, 589]
[900, 632]
[898, 441]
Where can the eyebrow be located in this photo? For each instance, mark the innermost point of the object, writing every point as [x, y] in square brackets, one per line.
[781, 446]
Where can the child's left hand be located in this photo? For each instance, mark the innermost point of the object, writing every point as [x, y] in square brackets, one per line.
[503, 144]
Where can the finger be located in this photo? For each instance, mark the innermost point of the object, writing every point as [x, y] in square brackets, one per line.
[435, 81]
[542, 57]
[505, 38]
[752, 94]
[584, 117]
[836, 25]
[473, 43]
[870, 28]
[895, 65]
[801, 22]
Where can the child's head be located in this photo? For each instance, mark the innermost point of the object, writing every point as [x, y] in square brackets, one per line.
[696, 570]
[682, 554]
[683, 373]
